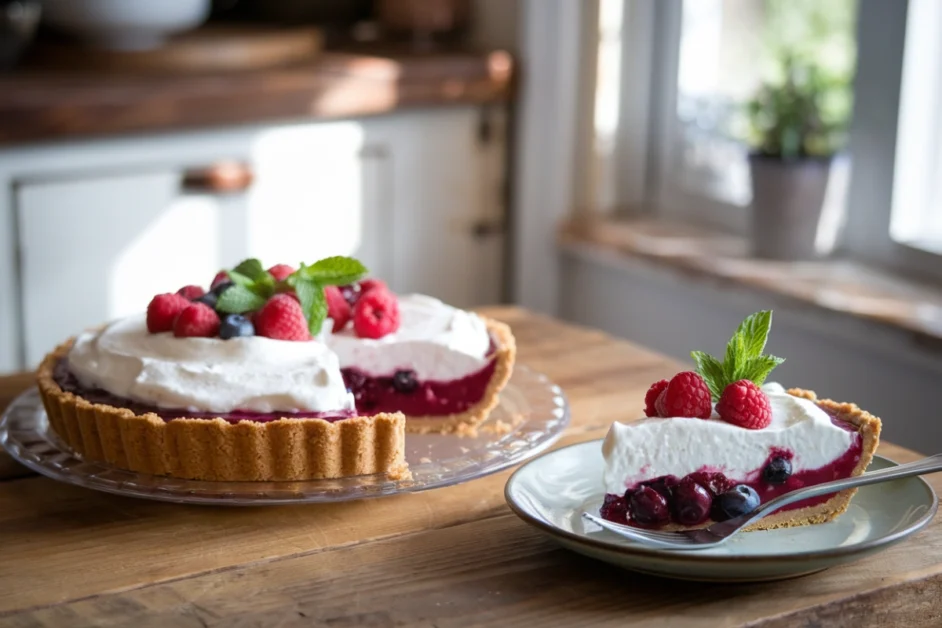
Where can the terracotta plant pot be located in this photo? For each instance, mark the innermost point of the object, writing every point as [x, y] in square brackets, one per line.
[787, 203]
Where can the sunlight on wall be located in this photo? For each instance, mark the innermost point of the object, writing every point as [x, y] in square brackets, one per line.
[176, 248]
[307, 200]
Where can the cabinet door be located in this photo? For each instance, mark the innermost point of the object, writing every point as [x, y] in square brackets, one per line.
[447, 210]
[94, 249]
[317, 193]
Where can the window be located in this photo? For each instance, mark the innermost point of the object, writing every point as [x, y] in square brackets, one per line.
[917, 182]
[708, 58]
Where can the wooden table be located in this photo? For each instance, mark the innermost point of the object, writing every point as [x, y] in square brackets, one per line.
[450, 557]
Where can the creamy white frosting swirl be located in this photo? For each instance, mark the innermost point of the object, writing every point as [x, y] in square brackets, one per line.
[255, 374]
[654, 447]
[437, 341]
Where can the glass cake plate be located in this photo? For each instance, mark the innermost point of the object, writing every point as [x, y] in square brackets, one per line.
[530, 417]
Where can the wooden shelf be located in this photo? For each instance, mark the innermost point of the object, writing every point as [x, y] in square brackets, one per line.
[42, 104]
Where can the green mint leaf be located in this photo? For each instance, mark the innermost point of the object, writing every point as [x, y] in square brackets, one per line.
[334, 271]
[251, 268]
[238, 299]
[755, 331]
[711, 370]
[252, 275]
[735, 354]
[313, 303]
[759, 367]
[239, 279]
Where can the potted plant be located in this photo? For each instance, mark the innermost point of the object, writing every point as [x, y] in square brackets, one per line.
[797, 124]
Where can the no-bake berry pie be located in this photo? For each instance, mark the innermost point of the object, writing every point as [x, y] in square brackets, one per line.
[718, 442]
[276, 374]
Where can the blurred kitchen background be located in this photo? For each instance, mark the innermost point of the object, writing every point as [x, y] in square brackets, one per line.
[655, 168]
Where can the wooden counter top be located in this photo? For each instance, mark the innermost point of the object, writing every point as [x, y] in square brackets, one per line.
[449, 557]
[43, 105]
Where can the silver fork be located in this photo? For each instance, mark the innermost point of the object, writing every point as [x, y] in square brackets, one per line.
[718, 533]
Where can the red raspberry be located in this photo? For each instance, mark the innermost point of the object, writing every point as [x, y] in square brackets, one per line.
[651, 397]
[198, 320]
[162, 311]
[376, 314]
[370, 284]
[282, 319]
[221, 277]
[686, 395]
[337, 307]
[191, 292]
[744, 404]
[280, 271]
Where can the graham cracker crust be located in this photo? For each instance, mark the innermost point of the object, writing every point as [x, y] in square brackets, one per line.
[465, 423]
[216, 450]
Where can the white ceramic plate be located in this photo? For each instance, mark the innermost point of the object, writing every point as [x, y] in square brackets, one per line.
[534, 406]
[552, 491]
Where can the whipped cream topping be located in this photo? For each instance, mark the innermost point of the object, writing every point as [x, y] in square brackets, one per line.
[253, 374]
[654, 447]
[437, 341]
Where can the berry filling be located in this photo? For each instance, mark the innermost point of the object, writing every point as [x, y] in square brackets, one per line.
[69, 383]
[404, 393]
[708, 494]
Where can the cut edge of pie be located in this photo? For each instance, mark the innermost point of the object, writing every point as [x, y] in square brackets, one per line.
[217, 450]
[868, 426]
[505, 355]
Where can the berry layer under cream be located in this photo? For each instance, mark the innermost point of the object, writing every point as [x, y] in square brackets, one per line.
[656, 447]
[252, 374]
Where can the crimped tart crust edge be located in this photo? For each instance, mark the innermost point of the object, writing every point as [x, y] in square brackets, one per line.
[466, 421]
[216, 450]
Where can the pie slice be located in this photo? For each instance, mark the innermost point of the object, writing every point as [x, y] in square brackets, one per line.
[715, 444]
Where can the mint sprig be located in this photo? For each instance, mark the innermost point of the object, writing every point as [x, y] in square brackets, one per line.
[744, 357]
[254, 286]
[309, 283]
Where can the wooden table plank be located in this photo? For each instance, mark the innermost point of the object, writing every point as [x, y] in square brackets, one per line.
[46, 525]
[447, 557]
[499, 571]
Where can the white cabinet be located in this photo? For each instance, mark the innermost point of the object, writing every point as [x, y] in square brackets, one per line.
[447, 211]
[93, 249]
[417, 197]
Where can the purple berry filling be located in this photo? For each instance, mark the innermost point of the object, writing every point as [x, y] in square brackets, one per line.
[402, 392]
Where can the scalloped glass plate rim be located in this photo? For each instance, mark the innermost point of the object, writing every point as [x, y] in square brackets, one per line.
[535, 407]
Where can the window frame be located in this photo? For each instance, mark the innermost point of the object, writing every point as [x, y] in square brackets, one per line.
[881, 36]
[651, 106]
[652, 34]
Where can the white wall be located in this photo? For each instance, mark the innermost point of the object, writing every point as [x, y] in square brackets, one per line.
[840, 357]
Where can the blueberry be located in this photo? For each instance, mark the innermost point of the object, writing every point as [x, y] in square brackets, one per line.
[209, 299]
[777, 471]
[351, 293]
[648, 507]
[354, 379]
[235, 325]
[691, 503]
[737, 501]
[404, 381]
[221, 287]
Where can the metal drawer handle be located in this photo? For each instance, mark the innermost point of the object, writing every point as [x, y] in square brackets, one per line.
[224, 177]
